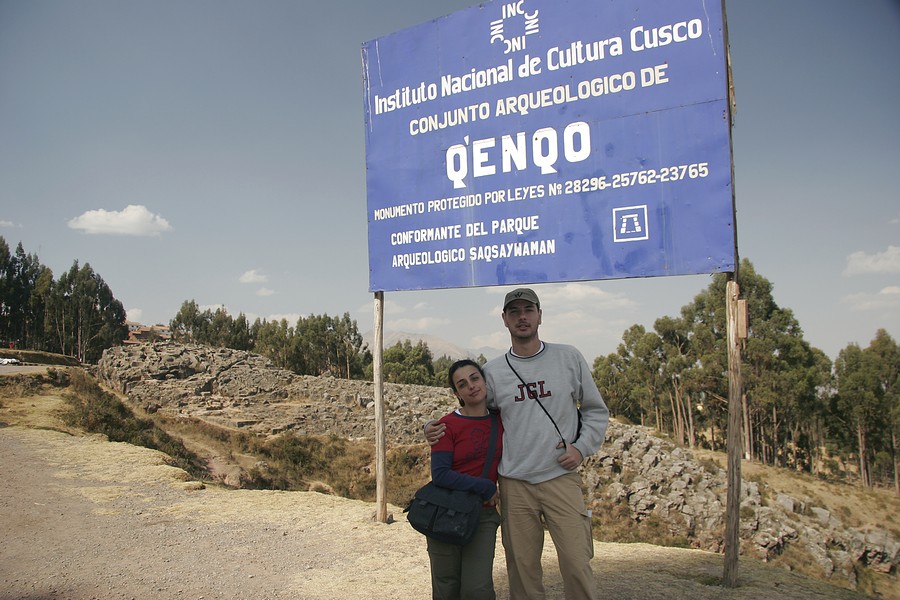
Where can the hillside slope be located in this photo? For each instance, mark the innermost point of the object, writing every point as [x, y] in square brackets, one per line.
[641, 487]
[86, 518]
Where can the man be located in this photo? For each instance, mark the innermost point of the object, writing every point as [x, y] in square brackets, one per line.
[539, 388]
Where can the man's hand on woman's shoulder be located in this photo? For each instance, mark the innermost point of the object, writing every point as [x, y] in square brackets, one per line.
[433, 432]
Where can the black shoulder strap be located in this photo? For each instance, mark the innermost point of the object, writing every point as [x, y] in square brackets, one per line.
[492, 446]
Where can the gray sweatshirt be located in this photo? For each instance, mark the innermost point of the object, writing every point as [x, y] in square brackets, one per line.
[561, 378]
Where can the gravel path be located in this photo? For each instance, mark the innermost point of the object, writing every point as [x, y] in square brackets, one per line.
[84, 518]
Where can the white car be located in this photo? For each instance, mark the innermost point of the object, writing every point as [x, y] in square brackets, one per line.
[9, 361]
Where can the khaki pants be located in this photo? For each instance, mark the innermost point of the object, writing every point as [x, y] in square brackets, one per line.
[559, 503]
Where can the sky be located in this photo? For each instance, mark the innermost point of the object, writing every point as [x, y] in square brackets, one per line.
[214, 151]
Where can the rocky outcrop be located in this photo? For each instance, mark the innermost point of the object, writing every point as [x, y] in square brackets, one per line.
[655, 477]
[246, 391]
[650, 475]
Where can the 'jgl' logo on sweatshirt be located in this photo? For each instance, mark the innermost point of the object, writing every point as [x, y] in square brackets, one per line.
[535, 390]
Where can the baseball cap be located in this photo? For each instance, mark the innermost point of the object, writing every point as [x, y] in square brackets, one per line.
[521, 294]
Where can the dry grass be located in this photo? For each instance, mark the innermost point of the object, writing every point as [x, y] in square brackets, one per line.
[284, 462]
[315, 462]
[30, 401]
[864, 508]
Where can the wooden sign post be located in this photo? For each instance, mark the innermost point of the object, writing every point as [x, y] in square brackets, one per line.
[380, 445]
[734, 333]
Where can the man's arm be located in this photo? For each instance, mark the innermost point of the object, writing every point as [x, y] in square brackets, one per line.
[594, 414]
[434, 431]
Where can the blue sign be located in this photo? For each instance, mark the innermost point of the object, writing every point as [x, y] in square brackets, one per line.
[536, 141]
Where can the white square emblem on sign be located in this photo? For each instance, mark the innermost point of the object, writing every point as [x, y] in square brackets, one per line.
[630, 224]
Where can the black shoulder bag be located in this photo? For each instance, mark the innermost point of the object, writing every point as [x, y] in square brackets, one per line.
[446, 515]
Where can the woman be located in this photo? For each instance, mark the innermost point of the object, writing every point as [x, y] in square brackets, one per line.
[457, 462]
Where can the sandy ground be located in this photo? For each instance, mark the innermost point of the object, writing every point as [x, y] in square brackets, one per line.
[83, 518]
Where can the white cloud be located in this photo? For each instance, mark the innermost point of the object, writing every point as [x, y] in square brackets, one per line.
[9, 225]
[888, 297]
[497, 339]
[415, 324]
[392, 307]
[582, 314]
[561, 299]
[132, 220]
[253, 276]
[860, 263]
[410, 318]
[583, 296]
[265, 292]
[135, 314]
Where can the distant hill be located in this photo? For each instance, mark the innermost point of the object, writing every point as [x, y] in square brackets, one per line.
[439, 347]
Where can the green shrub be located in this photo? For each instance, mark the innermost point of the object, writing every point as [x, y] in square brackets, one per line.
[294, 462]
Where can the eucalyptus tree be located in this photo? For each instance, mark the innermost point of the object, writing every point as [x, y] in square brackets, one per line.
[36, 314]
[274, 340]
[212, 328]
[84, 318]
[698, 340]
[5, 287]
[77, 314]
[219, 329]
[328, 345]
[630, 378]
[709, 383]
[408, 363]
[682, 366]
[816, 419]
[677, 364]
[352, 351]
[440, 367]
[13, 295]
[316, 345]
[780, 372]
[888, 352]
[189, 323]
[866, 406]
[314, 349]
[858, 401]
[24, 286]
[240, 337]
[608, 373]
[785, 374]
